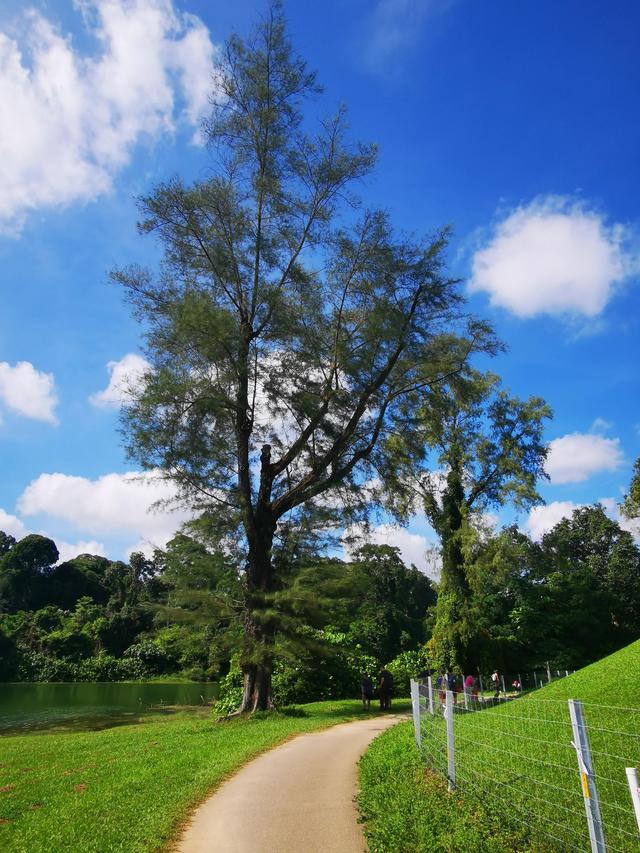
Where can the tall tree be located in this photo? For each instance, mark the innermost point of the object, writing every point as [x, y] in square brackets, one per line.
[631, 504]
[288, 334]
[489, 451]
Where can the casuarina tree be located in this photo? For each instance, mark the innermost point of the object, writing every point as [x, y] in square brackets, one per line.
[489, 450]
[289, 331]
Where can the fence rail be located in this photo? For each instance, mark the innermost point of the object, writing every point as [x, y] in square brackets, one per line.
[564, 772]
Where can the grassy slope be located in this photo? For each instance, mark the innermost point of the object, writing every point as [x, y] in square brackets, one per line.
[517, 768]
[128, 788]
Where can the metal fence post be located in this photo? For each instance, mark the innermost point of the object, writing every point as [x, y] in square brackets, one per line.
[632, 779]
[587, 776]
[548, 673]
[451, 756]
[415, 703]
[504, 689]
[430, 689]
[535, 679]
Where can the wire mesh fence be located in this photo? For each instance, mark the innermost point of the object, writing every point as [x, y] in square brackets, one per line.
[554, 769]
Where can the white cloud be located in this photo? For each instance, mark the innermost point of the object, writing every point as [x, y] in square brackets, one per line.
[575, 457]
[124, 379]
[70, 120]
[612, 508]
[68, 551]
[554, 256]
[28, 391]
[394, 26]
[413, 547]
[12, 525]
[600, 425]
[542, 518]
[115, 504]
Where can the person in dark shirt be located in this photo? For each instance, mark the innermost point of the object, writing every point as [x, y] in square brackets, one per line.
[385, 688]
[366, 688]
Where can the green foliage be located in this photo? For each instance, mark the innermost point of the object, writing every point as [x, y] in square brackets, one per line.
[490, 451]
[406, 666]
[392, 602]
[631, 504]
[229, 690]
[330, 669]
[93, 621]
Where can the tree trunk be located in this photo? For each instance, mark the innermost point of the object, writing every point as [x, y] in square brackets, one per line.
[259, 629]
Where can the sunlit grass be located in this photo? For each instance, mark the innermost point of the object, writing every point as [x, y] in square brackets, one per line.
[517, 770]
[129, 788]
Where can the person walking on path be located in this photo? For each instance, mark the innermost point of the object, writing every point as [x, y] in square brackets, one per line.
[452, 685]
[495, 680]
[366, 688]
[471, 688]
[385, 688]
[441, 685]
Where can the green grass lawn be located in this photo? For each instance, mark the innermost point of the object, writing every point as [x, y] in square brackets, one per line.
[516, 768]
[130, 788]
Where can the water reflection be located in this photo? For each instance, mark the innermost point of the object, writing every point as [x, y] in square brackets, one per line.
[92, 705]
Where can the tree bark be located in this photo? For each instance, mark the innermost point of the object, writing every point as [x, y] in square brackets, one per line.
[259, 629]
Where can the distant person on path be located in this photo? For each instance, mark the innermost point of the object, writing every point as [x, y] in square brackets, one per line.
[366, 687]
[385, 688]
[453, 685]
[441, 684]
[495, 680]
[470, 685]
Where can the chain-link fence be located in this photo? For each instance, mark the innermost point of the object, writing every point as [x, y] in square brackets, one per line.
[564, 772]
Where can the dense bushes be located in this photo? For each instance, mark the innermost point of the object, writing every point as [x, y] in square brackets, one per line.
[36, 666]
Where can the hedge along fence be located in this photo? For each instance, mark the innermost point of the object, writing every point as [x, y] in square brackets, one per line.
[556, 768]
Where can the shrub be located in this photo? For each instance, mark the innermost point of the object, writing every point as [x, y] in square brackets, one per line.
[229, 691]
[150, 658]
[406, 666]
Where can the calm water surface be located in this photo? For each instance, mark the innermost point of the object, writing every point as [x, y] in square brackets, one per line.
[92, 705]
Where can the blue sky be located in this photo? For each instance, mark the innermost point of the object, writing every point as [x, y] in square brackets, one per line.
[515, 122]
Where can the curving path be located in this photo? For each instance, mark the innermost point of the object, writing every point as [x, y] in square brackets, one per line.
[297, 798]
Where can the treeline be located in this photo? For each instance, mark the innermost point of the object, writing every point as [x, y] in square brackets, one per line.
[570, 598]
[177, 614]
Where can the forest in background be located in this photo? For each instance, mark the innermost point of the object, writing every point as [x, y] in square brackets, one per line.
[570, 599]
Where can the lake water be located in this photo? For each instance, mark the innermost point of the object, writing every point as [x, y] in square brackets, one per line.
[91, 705]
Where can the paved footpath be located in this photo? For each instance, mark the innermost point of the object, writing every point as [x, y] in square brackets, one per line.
[297, 798]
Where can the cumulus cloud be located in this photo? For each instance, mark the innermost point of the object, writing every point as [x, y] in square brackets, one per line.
[115, 504]
[70, 120]
[12, 525]
[575, 457]
[124, 379]
[68, 551]
[27, 391]
[553, 256]
[413, 547]
[543, 518]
